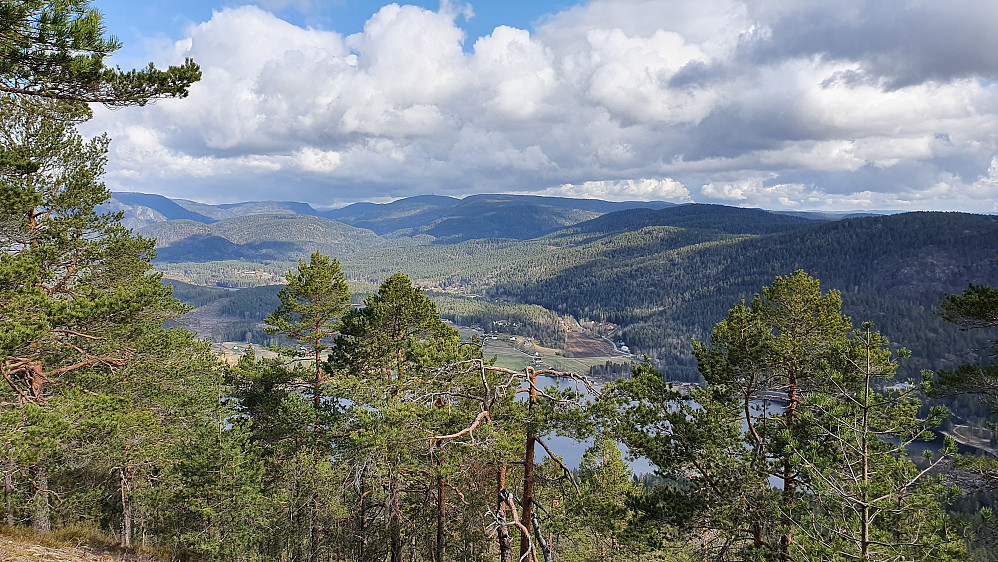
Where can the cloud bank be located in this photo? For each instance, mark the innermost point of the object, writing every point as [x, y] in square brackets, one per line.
[768, 103]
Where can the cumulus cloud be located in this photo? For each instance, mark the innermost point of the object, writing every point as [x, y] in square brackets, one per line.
[645, 189]
[765, 103]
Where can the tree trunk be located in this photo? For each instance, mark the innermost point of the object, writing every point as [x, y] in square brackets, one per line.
[545, 547]
[40, 520]
[528, 469]
[362, 524]
[789, 474]
[317, 386]
[395, 518]
[505, 546]
[314, 534]
[8, 494]
[127, 513]
[441, 507]
[865, 538]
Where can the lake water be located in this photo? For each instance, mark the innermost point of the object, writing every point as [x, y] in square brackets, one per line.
[571, 450]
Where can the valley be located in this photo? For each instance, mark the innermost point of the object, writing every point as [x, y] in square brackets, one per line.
[662, 274]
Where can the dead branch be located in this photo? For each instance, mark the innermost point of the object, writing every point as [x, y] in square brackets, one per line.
[458, 492]
[109, 361]
[508, 500]
[75, 333]
[558, 460]
[465, 431]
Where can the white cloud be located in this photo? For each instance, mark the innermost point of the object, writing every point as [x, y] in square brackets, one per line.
[646, 189]
[515, 74]
[318, 161]
[758, 102]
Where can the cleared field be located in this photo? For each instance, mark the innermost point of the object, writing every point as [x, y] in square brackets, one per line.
[518, 356]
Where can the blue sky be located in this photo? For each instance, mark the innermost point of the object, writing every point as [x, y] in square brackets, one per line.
[823, 105]
[135, 22]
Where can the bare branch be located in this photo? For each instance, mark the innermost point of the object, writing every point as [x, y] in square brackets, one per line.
[558, 460]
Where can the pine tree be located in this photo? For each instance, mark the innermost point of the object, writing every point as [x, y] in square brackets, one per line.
[80, 312]
[779, 347]
[416, 422]
[56, 49]
[600, 508]
[870, 501]
[709, 491]
[397, 334]
[73, 282]
[312, 303]
[790, 395]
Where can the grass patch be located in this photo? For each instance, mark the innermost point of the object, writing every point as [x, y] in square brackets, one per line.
[91, 540]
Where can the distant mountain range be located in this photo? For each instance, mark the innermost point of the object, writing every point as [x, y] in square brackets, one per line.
[663, 273]
[446, 219]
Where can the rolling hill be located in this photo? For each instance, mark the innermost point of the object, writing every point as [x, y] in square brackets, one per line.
[446, 219]
[257, 238]
[661, 275]
[233, 210]
[892, 270]
[143, 209]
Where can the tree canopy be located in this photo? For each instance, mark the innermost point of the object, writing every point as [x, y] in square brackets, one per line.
[57, 49]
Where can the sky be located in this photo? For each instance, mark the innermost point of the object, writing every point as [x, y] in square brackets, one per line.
[780, 104]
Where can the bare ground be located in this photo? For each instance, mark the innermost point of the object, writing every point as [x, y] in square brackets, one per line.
[581, 345]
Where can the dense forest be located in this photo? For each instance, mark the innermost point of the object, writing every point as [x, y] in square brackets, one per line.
[373, 431]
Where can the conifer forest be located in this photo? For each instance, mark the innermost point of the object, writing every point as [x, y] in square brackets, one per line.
[362, 425]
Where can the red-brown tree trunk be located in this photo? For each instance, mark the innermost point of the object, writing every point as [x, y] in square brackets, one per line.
[528, 469]
[441, 508]
[505, 546]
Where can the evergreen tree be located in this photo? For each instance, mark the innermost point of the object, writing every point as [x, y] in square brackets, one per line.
[870, 501]
[398, 368]
[312, 303]
[708, 492]
[781, 346]
[57, 48]
[789, 397]
[93, 386]
[599, 511]
[74, 284]
[397, 334]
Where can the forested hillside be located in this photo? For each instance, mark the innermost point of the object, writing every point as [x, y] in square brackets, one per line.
[892, 270]
[663, 275]
[445, 218]
[255, 238]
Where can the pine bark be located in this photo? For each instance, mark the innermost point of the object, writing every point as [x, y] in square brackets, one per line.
[528, 470]
[505, 544]
[395, 519]
[127, 511]
[8, 495]
[441, 508]
[789, 474]
[40, 520]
